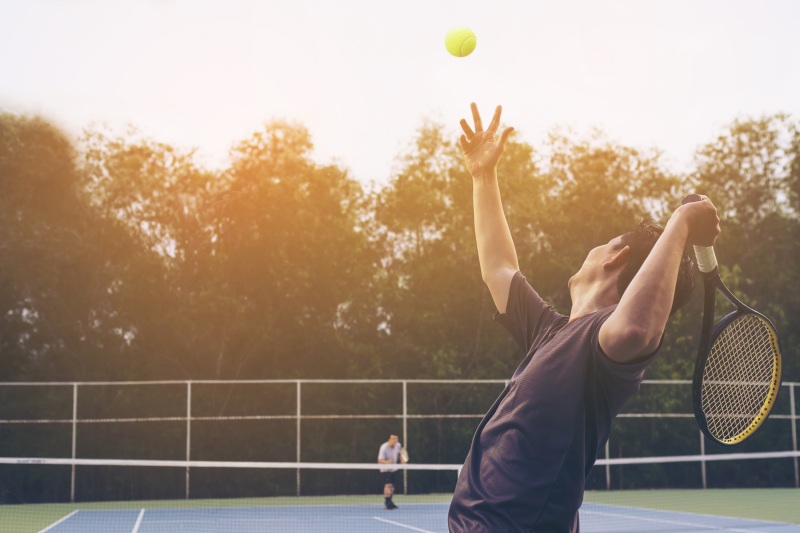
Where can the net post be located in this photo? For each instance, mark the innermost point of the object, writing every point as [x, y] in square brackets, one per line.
[608, 469]
[702, 460]
[794, 433]
[298, 415]
[188, 432]
[74, 440]
[405, 433]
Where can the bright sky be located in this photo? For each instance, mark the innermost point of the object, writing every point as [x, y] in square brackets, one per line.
[363, 75]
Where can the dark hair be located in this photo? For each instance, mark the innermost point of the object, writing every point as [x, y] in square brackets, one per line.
[641, 240]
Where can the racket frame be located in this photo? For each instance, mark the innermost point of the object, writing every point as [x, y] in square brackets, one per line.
[709, 334]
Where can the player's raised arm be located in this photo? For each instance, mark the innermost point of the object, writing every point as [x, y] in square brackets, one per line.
[637, 324]
[496, 252]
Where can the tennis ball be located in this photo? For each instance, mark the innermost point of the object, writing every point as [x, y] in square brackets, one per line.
[460, 41]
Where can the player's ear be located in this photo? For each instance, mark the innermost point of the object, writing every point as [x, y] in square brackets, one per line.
[618, 259]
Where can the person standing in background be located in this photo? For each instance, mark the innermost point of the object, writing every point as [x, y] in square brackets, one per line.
[389, 454]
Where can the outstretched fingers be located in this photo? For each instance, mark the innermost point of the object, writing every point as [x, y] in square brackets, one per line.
[476, 117]
[464, 143]
[504, 137]
[495, 123]
[467, 130]
[470, 136]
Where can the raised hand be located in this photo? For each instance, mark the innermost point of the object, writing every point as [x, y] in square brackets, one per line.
[481, 150]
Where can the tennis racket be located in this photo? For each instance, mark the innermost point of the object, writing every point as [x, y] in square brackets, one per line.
[403, 455]
[738, 370]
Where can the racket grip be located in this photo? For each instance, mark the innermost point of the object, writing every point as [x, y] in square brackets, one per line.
[706, 259]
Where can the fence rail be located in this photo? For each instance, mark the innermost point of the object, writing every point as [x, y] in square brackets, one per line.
[298, 416]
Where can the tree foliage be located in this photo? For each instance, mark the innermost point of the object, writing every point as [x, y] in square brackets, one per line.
[123, 257]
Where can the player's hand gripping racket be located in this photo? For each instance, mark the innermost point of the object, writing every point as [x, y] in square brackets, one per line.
[403, 455]
[738, 370]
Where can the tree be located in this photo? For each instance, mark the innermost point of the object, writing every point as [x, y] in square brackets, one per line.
[289, 251]
[63, 272]
[158, 195]
[437, 310]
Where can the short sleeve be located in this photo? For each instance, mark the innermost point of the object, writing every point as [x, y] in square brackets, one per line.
[619, 381]
[633, 370]
[527, 316]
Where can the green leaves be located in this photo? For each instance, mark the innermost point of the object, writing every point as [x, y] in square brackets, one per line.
[126, 258]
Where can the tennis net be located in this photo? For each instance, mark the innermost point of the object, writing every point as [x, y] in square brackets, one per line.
[82, 480]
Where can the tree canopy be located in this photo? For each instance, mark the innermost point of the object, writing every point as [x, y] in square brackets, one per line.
[123, 258]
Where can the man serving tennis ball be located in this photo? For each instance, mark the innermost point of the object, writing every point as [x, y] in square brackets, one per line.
[531, 453]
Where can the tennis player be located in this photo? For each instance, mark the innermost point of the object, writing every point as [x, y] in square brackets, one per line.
[389, 454]
[530, 455]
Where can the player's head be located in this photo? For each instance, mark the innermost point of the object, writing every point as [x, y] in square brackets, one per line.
[613, 265]
[393, 440]
[641, 240]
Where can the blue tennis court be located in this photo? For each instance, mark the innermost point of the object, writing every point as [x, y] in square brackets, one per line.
[420, 517]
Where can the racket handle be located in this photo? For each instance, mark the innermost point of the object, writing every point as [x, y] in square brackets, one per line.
[706, 259]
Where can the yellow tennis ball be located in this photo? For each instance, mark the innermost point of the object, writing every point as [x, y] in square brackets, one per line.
[460, 41]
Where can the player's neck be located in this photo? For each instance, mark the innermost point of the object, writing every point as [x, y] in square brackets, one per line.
[592, 297]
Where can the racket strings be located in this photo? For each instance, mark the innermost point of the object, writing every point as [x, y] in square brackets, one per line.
[737, 389]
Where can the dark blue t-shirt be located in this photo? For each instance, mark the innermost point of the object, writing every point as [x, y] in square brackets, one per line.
[527, 466]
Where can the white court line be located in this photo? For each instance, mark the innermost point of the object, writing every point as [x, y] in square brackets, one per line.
[412, 528]
[54, 524]
[672, 522]
[138, 522]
